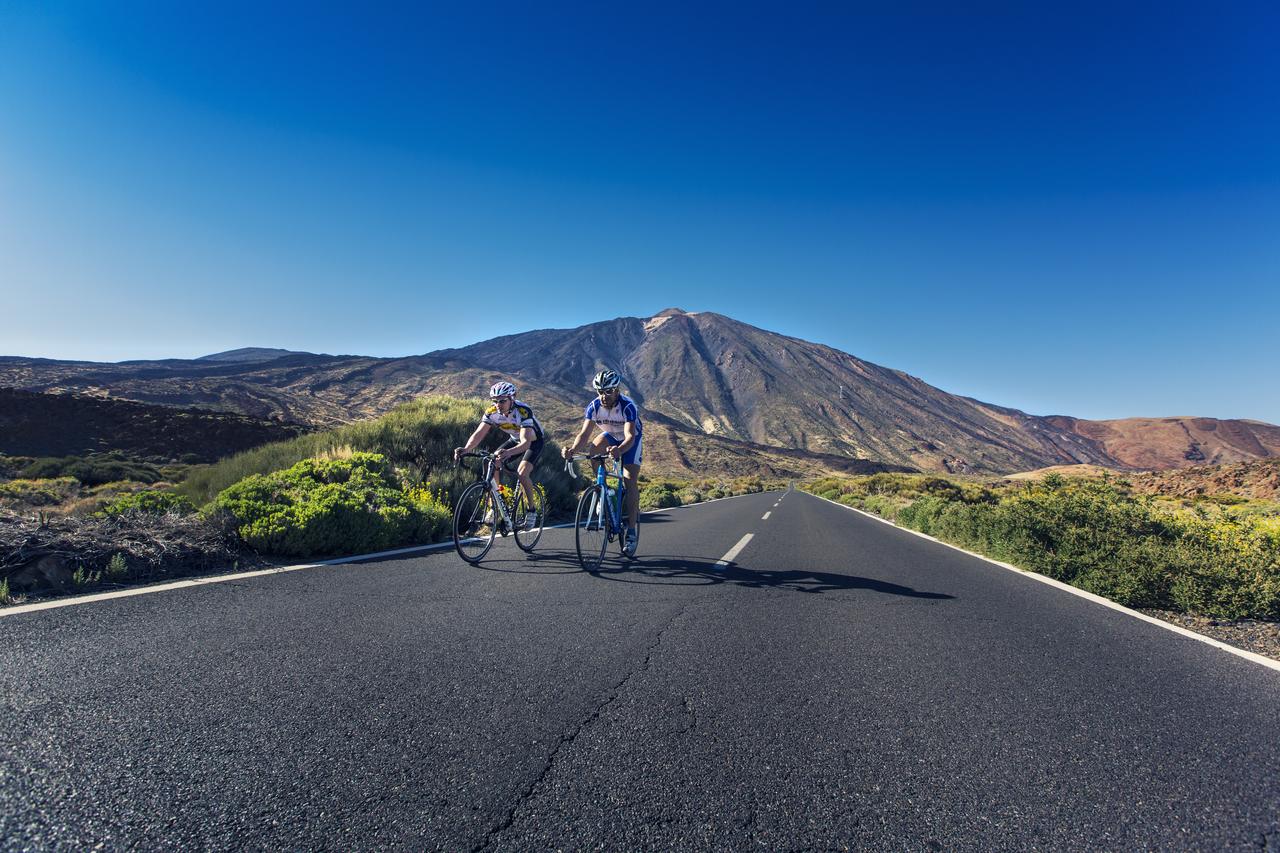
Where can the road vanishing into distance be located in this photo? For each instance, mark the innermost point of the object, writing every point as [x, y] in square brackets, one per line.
[839, 684]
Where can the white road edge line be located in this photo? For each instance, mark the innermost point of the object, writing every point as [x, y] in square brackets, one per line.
[72, 601]
[182, 584]
[734, 551]
[1065, 587]
[765, 517]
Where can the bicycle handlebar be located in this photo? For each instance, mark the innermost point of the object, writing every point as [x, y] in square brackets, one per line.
[593, 457]
[485, 454]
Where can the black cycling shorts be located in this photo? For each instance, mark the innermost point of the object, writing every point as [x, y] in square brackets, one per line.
[531, 455]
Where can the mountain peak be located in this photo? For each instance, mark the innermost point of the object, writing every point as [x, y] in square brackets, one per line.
[670, 312]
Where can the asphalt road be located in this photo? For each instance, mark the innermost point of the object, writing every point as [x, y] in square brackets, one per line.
[841, 684]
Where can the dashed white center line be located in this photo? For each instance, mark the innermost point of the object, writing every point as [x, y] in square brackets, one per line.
[765, 517]
[733, 552]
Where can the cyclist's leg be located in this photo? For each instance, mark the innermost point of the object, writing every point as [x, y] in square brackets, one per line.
[497, 469]
[525, 470]
[631, 476]
[600, 444]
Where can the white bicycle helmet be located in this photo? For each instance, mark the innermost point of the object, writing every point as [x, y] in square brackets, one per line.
[502, 389]
[605, 380]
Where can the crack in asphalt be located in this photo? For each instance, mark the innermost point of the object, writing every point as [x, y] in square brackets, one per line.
[568, 738]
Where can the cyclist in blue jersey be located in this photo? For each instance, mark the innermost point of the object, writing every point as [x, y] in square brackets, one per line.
[524, 436]
[620, 431]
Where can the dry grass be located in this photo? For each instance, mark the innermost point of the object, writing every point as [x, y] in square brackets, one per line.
[143, 547]
[1065, 471]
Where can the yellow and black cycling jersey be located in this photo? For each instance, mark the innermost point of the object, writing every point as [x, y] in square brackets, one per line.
[519, 417]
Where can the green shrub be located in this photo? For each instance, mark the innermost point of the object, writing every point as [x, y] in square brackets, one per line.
[1222, 499]
[417, 438]
[333, 506]
[1094, 534]
[117, 567]
[659, 496]
[94, 469]
[10, 466]
[83, 577]
[26, 493]
[150, 502]
[885, 506]
[690, 496]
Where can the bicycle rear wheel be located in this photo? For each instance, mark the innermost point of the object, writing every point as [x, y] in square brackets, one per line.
[474, 523]
[591, 532]
[527, 537]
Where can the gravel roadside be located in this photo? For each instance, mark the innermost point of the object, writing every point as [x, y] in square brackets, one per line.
[1249, 634]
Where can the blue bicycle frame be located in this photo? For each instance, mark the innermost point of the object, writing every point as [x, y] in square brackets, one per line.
[613, 498]
[600, 512]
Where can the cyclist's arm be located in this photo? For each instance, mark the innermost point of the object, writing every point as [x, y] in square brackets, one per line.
[472, 443]
[574, 446]
[628, 438]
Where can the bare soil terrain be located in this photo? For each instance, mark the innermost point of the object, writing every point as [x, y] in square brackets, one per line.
[1255, 480]
[36, 424]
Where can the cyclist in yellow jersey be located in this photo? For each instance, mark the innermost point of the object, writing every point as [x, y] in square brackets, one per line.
[525, 436]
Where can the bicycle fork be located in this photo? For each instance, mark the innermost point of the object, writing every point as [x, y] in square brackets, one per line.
[602, 509]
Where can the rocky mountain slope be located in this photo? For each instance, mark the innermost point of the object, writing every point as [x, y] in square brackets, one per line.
[717, 376]
[1257, 480]
[716, 394]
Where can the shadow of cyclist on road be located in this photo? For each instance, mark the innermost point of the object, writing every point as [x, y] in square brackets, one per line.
[696, 571]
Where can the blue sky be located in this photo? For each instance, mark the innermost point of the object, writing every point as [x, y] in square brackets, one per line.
[1071, 211]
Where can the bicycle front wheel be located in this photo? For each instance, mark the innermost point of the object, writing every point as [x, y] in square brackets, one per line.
[591, 532]
[529, 518]
[474, 523]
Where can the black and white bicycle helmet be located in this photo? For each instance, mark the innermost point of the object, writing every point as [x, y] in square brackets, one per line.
[502, 389]
[605, 380]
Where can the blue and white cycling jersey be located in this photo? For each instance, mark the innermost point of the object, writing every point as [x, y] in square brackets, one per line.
[613, 419]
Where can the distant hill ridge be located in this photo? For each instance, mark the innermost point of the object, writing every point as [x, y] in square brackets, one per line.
[719, 394]
[247, 354]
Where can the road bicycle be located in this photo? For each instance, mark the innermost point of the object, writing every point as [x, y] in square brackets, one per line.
[599, 518]
[484, 512]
